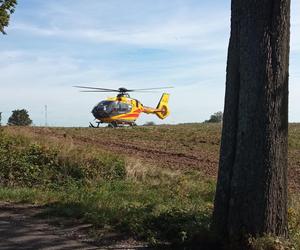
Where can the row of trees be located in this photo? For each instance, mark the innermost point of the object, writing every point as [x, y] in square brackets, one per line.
[19, 117]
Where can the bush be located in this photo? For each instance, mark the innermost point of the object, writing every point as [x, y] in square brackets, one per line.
[215, 118]
[29, 164]
[19, 117]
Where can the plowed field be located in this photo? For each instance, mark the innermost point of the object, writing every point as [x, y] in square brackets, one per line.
[179, 147]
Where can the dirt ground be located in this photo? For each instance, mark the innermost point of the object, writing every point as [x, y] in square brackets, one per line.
[21, 227]
[159, 148]
[185, 147]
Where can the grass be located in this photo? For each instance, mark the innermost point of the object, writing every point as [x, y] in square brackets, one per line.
[146, 201]
[177, 213]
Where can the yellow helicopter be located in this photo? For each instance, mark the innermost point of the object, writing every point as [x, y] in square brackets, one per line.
[122, 110]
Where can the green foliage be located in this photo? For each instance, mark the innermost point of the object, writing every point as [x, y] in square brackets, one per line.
[7, 7]
[215, 118]
[156, 213]
[28, 195]
[112, 167]
[0, 118]
[19, 117]
[24, 163]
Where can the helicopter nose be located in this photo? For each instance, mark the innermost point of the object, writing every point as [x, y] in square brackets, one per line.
[98, 112]
[94, 111]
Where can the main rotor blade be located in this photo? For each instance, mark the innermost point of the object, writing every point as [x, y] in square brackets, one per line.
[105, 91]
[101, 91]
[131, 90]
[142, 91]
[85, 87]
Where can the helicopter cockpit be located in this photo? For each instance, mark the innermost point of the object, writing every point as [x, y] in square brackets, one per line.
[106, 109]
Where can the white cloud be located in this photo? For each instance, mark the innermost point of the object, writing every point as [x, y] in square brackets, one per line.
[195, 39]
[164, 25]
[46, 79]
[190, 36]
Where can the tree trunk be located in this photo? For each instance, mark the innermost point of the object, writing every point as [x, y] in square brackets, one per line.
[251, 196]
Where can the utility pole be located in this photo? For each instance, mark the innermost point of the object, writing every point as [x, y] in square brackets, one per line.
[46, 116]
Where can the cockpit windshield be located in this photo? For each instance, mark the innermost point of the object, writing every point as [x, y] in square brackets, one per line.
[110, 108]
[106, 106]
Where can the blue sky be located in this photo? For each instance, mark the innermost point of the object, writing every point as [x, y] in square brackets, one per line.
[55, 44]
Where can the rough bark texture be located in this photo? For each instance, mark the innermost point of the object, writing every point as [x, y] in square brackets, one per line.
[251, 197]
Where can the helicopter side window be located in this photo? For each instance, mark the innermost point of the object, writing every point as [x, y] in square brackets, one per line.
[120, 108]
[124, 107]
[114, 108]
[117, 108]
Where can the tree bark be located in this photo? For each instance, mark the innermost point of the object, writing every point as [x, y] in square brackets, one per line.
[251, 196]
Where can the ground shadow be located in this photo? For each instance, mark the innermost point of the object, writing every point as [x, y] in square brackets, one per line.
[173, 229]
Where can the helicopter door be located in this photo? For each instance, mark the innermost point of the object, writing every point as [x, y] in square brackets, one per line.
[124, 108]
[119, 108]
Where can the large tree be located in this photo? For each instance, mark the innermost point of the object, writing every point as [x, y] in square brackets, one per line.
[7, 7]
[19, 117]
[251, 196]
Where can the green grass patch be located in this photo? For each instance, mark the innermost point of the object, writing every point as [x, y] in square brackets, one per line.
[27, 195]
[156, 214]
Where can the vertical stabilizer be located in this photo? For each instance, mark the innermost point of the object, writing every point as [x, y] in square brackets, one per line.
[163, 106]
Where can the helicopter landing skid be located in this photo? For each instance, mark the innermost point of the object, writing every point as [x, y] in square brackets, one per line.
[112, 125]
[120, 125]
[93, 126]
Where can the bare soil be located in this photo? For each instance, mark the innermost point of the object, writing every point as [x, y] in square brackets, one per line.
[159, 148]
[180, 147]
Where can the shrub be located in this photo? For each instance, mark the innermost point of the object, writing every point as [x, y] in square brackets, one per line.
[215, 118]
[28, 164]
[19, 117]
